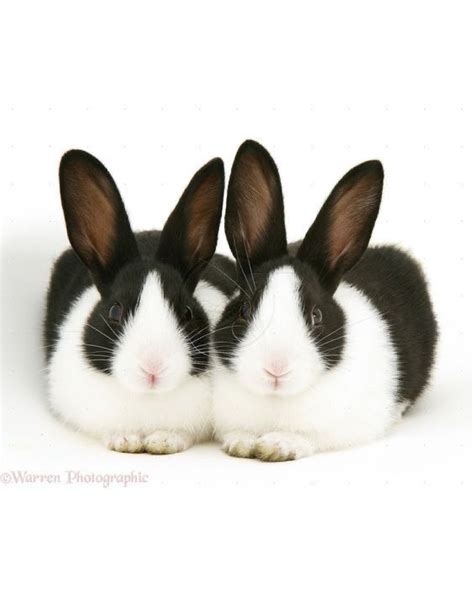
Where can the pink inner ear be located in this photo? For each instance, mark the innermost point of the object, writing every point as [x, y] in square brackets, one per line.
[94, 226]
[254, 190]
[349, 217]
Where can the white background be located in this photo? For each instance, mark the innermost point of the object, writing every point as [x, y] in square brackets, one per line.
[154, 90]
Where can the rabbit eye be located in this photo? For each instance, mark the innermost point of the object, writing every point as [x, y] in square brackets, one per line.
[245, 311]
[116, 312]
[316, 316]
[188, 313]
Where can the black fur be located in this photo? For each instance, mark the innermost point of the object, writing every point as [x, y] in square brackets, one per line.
[88, 190]
[333, 250]
[395, 284]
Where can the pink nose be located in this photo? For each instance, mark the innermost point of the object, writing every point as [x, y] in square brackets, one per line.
[152, 379]
[277, 370]
[151, 373]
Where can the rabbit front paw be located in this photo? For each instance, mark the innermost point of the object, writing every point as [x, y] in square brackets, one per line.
[239, 444]
[132, 443]
[164, 442]
[281, 446]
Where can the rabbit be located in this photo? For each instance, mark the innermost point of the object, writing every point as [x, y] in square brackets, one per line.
[128, 316]
[327, 343]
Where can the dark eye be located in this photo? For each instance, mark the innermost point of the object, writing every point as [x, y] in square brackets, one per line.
[116, 312]
[245, 311]
[188, 313]
[316, 316]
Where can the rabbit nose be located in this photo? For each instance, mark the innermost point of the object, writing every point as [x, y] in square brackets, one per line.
[152, 379]
[277, 369]
[152, 372]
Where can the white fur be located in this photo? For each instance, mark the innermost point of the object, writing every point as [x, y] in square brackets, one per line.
[311, 408]
[122, 408]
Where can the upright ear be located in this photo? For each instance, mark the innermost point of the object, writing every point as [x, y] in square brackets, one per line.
[96, 220]
[189, 237]
[341, 232]
[254, 218]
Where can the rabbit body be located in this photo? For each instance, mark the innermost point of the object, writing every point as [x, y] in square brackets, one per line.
[129, 316]
[362, 395]
[94, 402]
[327, 342]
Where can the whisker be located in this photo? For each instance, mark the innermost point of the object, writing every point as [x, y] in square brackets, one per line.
[332, 333]
[98, 331]
[350, 324]
[248, 260]
[196, 332]
[337, 347]
[240, 264]
[98, 346]
[323, 344]
[214, 332]
[108, 325]
[231, 279]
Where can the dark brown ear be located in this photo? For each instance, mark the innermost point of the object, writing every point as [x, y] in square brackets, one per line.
[254, 218]
[96, 220]
[189, 237]
[341, 232]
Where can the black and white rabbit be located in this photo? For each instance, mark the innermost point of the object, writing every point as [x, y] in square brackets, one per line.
[129, 315]
[327, 343]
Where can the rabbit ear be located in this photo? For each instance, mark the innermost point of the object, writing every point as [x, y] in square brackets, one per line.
[254, 218]
[97, 223]
[341, 232]
[189, 237]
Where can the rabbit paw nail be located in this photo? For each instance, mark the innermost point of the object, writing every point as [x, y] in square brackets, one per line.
[239, 444]
[162, 442]
[125, 443]
[280, 447]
